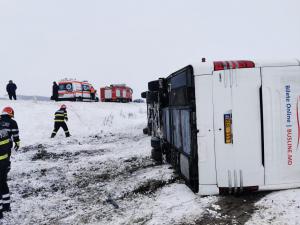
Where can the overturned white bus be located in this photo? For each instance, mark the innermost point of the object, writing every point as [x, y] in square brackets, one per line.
[229, 126]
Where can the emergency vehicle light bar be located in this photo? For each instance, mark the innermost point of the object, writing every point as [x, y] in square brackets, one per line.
[226, 65]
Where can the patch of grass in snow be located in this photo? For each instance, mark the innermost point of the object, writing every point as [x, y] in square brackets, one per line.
[43, 154]
[151, 186]
[36, 147]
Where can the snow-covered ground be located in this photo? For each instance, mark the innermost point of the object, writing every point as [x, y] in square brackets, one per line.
[278, 208]
[35, 119]
[102, 174]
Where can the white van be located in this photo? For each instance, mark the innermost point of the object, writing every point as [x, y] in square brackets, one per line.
[73, 90]
[230, 126]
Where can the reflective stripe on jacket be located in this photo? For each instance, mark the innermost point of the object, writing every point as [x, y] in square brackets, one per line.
[9, 133]
[4, 142]
[2, 157]
[61, 115]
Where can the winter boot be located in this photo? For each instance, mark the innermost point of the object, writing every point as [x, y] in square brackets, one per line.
[52, 135]
[1, 215]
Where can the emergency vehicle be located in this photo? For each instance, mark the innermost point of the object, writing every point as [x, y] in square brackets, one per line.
[229, 126]
[116, 93]
[73, 90]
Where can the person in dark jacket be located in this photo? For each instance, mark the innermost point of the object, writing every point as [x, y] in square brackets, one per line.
[93, 93]
[9, 133]
[11, 88]
[55, 88]
[59, 121]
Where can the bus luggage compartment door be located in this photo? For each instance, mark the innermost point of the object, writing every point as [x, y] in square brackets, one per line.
[237, 126]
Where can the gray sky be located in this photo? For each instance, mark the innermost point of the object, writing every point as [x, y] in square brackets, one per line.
[135, 41]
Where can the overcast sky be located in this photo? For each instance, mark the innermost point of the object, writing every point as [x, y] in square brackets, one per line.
[135, 41]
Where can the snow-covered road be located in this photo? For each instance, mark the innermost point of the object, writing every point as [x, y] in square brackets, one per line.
[103, 174]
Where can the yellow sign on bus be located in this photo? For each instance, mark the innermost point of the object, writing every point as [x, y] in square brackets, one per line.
[228, 128]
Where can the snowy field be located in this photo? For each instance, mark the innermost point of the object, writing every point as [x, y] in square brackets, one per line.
[103, 174]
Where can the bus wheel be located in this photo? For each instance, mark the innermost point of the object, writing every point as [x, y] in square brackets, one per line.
[144, 94]
[79, 99]
[153, 85]
[152, 97]
[156, 155]
[145, 130]
[155, 142]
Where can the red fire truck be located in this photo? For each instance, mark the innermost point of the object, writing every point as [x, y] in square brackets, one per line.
[116, 93]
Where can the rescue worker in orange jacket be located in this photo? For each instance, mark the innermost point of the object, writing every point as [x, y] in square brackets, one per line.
[59, 121]
[9, 133]
[93, 93]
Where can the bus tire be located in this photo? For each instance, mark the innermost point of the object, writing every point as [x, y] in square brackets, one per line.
[152, 97]
[155, 142]
[153, 85]
[144, 94]
[156, 155]
[79, 99]
[145, 131]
